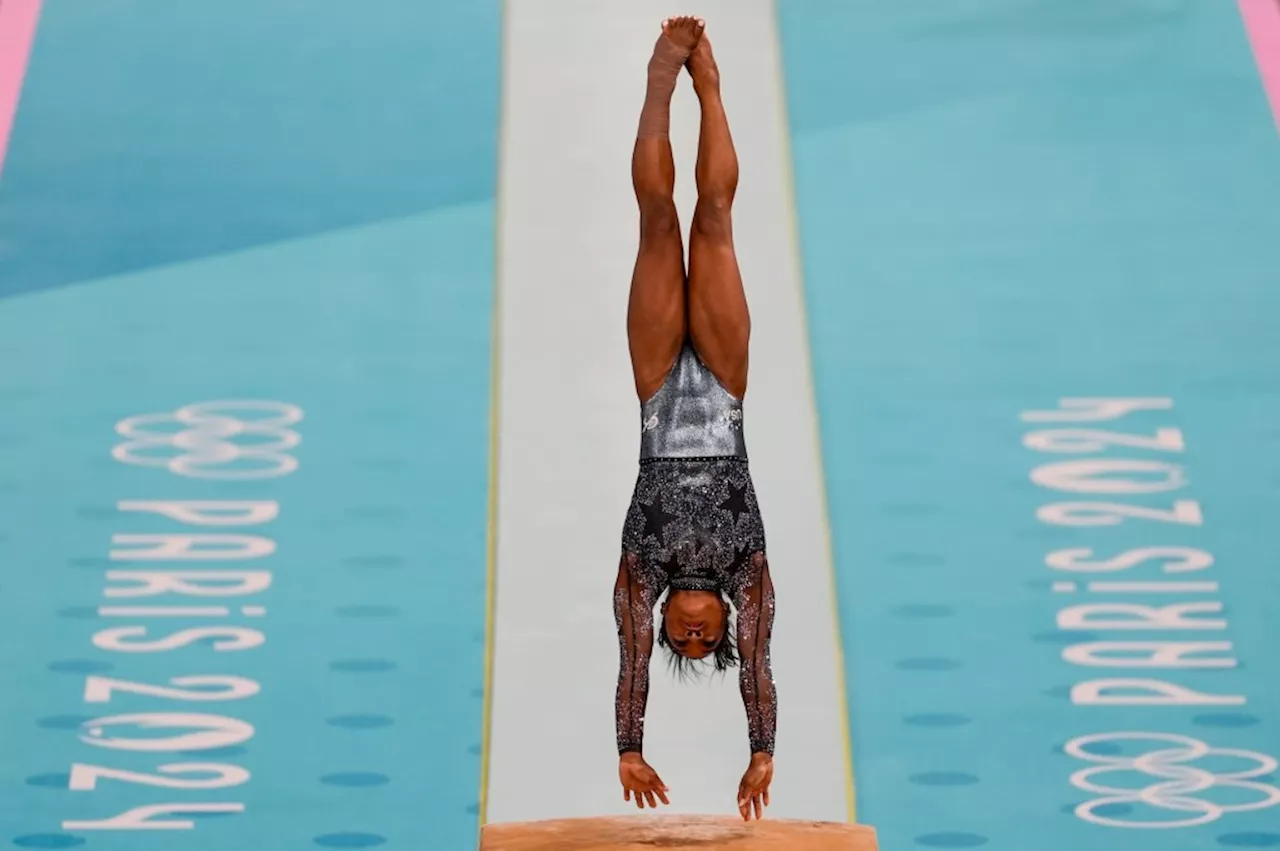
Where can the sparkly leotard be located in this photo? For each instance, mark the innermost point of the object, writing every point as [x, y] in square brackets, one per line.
[693, 524]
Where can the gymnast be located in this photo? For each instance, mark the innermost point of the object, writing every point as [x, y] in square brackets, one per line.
[693, 528]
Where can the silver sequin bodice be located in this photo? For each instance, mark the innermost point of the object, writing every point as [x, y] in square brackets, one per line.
[691, 415]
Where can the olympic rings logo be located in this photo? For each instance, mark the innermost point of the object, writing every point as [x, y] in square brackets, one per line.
[1180, 782]
[226, 440]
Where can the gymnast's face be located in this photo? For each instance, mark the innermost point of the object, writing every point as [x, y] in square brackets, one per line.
[694, 621]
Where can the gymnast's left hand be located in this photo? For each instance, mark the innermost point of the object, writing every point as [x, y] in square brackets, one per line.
[753, 791]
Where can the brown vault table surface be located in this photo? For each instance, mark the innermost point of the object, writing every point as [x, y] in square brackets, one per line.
[650, 833]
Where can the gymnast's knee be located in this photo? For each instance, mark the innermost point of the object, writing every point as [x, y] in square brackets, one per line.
[713, 216]
[658, 217]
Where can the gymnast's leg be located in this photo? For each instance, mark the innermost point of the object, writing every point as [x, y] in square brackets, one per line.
[656, 315]
[719, 322]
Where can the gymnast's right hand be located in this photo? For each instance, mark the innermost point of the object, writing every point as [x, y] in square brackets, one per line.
[640, 780]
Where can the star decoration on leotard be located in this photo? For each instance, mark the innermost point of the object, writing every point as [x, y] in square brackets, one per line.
[670, 565]
[736, 503]
[656, 519]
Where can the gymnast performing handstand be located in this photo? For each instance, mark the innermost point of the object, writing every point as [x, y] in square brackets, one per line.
[693, 528]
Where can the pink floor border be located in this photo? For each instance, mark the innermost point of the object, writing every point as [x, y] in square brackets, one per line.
[17, 31]
[1262, 21]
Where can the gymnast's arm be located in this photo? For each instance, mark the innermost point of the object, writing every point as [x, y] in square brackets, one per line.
[755, 604]
[633, 600]
[754, 601]
[633, 612]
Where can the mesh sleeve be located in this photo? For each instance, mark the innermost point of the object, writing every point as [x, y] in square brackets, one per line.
[755, 604]
[633, 612]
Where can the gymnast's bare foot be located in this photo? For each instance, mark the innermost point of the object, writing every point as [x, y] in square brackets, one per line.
[684, 32]
[703, 68]
[670, 53]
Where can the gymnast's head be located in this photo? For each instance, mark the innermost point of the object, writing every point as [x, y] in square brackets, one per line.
[697, 632]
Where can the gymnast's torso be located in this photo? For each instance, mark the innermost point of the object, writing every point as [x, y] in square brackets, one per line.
[694, 520]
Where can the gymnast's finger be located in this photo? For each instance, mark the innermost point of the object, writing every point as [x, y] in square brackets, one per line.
[648, 796]
[759, 806]
[662, 795]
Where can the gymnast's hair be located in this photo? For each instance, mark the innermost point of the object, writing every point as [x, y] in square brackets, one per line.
[721, 659]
